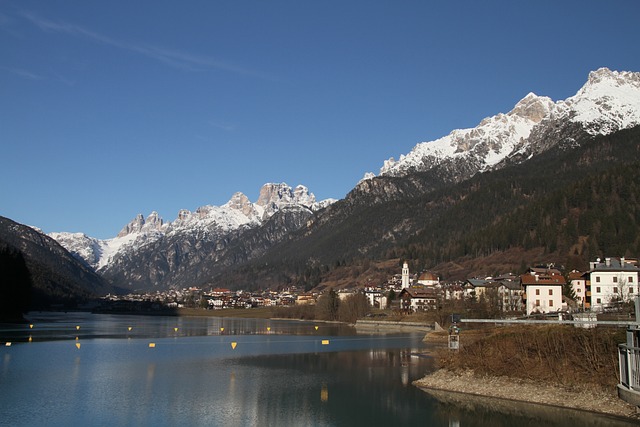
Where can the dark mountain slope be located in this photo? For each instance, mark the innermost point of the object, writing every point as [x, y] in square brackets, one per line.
[576, 204]
[56, 276]
[572, 202]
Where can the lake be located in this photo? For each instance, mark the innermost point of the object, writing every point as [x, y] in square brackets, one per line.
[83, 369]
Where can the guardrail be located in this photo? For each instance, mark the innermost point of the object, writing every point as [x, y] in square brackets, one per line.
[553, 322]
[629, 358]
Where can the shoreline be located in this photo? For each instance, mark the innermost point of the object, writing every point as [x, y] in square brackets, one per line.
[468, 388]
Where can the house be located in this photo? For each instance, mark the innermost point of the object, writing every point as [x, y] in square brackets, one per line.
[414, 299]
[305, 299]
[343, 294]
[505, 291]
[510, 293]
[473, 288]
[611, 282]
[453, 290]
[578, 281]
[542, 292]
[376, 298]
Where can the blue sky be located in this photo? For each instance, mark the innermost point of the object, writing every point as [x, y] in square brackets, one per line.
[109, 109]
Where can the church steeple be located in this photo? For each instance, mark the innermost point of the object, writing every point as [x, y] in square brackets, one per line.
[405, 275]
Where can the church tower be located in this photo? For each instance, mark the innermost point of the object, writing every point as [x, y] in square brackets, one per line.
[405, 275]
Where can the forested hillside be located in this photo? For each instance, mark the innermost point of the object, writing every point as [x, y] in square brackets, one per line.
[569, 205]
[573, 204]
[37, 272]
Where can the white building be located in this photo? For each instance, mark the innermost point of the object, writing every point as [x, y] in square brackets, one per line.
[429, 279]
[405, 275]
[376, 298]
[542, 293]
[612, 281]
[579, 285]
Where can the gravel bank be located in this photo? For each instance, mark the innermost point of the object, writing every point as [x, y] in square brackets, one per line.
[584, 399]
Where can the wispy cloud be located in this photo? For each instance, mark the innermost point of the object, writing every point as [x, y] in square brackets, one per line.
[174, 58]
[221, 125]
[22, 73]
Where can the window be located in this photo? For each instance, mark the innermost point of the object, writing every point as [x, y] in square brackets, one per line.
[615, 279]
[630, 280]
[537, 291]
[598, 289]
[550, 291]
[615, 289]
[597, 279]
[550, 303]
[630, 290]
[538, 303]
[598, 301]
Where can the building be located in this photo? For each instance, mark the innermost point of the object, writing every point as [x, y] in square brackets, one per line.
[505, 291]
[542, 292]
[578, 281]
[510, 293]
[376, 298]
[405, 275]
[417, 299]
[611, 282]
[428, 279]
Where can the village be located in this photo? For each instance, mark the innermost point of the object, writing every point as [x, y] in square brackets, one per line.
[608, 285]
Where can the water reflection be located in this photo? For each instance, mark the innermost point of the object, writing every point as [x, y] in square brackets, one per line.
[279, 373]
[472, 411]
[46, 326]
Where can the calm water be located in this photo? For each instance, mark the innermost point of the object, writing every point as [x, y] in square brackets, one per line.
[228, 372]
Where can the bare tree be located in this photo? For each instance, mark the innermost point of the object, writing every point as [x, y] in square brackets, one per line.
[353, 307]
[327, 306]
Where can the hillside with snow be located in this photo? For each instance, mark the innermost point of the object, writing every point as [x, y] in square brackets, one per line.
[206, 222]
[609, 101]
[199, 246]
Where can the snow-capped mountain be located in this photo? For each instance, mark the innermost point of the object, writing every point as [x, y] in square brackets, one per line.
[208, 222]
[608, 101]
[199, 246]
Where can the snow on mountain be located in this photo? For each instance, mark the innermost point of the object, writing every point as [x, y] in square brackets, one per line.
[609, 101]
[95, 252]
[205, 221]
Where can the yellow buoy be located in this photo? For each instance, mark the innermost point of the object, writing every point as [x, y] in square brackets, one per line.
[152, 345]
[7, 344]
[30, 326]
[316, 327]
[77, 327]
[325, 342]
[77, 338]
[233, 345]
[78, 345]
[30, 338]
[221, 329]
[175, 329]
[269, 328]
[129, 328]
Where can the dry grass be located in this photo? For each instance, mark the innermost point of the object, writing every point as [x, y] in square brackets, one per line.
[557, 354]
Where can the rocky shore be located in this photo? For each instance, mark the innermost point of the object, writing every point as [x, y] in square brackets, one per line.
[451, 387]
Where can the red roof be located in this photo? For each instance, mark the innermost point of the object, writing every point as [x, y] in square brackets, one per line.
[555, 279]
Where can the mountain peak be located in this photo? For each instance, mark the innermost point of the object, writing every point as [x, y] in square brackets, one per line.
[533, 107]
[240, 202]
[138, 224]
[608, 101]
[283, 194]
